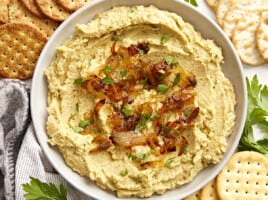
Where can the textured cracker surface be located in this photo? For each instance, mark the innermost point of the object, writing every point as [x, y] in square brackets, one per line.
[262, 36]
[209, 192]
[20, 46]
[72, 5]
[31, 6]
[244, 38]
[245, 177]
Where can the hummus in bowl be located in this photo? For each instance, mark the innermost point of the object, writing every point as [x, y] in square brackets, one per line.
[138, 103]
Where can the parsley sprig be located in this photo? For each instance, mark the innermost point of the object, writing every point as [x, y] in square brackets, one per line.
[193, 2]
[36, 190]
[257, 113]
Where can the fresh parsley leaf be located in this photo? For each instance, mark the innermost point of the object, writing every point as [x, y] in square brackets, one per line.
[169, 59]
[107, 69]
[84, 123]
[36, 190]
[163, 40]
[142, 123]
[126, 110]
[162, 88]
[177, 79]
[78, 81]
[123, 73]
[107, 80]
[169, 161]
[257, 113]
[193, 2]
[124, 172]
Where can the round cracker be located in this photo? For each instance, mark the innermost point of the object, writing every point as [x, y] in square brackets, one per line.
[52, 10]
[222, 7]
[4, 11]
[72, 5]
[209, 192]
[31, 6]
[212, 4]
[237, 11]
[244, 38]
[20, 46]
[19, 14]
[262, 36]
[194, 196]
[244, 177]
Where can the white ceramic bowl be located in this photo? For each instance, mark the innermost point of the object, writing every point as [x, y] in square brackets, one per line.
[232, 68]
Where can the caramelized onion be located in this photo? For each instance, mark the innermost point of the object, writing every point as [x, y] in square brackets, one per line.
[128, 139]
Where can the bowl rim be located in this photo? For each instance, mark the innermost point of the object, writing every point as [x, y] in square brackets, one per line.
[38, 79]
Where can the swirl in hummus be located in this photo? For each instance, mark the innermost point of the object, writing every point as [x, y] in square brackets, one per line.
[137, 101]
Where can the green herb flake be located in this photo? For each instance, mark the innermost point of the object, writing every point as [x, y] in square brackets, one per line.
[169, 161]
[163, 40]
[78, 81]
[162, 88]
[107, 69]
[41, 190]
[154, 118]
[84, 123]
[124, 172]
[114, 38]
[177, 79]
[141, 52]
[165, 129]
[123, 73]
[193, 2]
[77, 105]
[126, 110]
[77, 129]
[107, 80]
[169, 59]
[142, 123]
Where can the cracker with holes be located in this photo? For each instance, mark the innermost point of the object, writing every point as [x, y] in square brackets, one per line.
[209, 192]
[52, 10]
[4, 11]
[237, 11]
[212, 4]
[222, 8]
[244, 38]
[19, 14]
[194, 196]
[262, 35]
[244, 177]
[32, 7]
[72, 5]
[20, 46]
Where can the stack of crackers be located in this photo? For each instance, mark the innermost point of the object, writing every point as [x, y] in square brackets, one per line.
[246, 23]
[244, 177]
[25, 26]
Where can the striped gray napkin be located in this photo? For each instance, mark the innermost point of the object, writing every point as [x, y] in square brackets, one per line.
[20, 153]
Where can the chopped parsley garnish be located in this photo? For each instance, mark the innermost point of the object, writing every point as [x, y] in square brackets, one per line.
[163, 40]
[169, 59]
[138, 156]
[142, 123]
[126, 110]
[78, 81]
[107, 69]
[123, 73]
[84, 123]
[154, 117]
[77, 129]
[124, 172]
[107, 80]
[162, 88]
[113, 38]
[141, 52]
[177, 79]
[165, 129]
[193, 2]
[169, 161]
